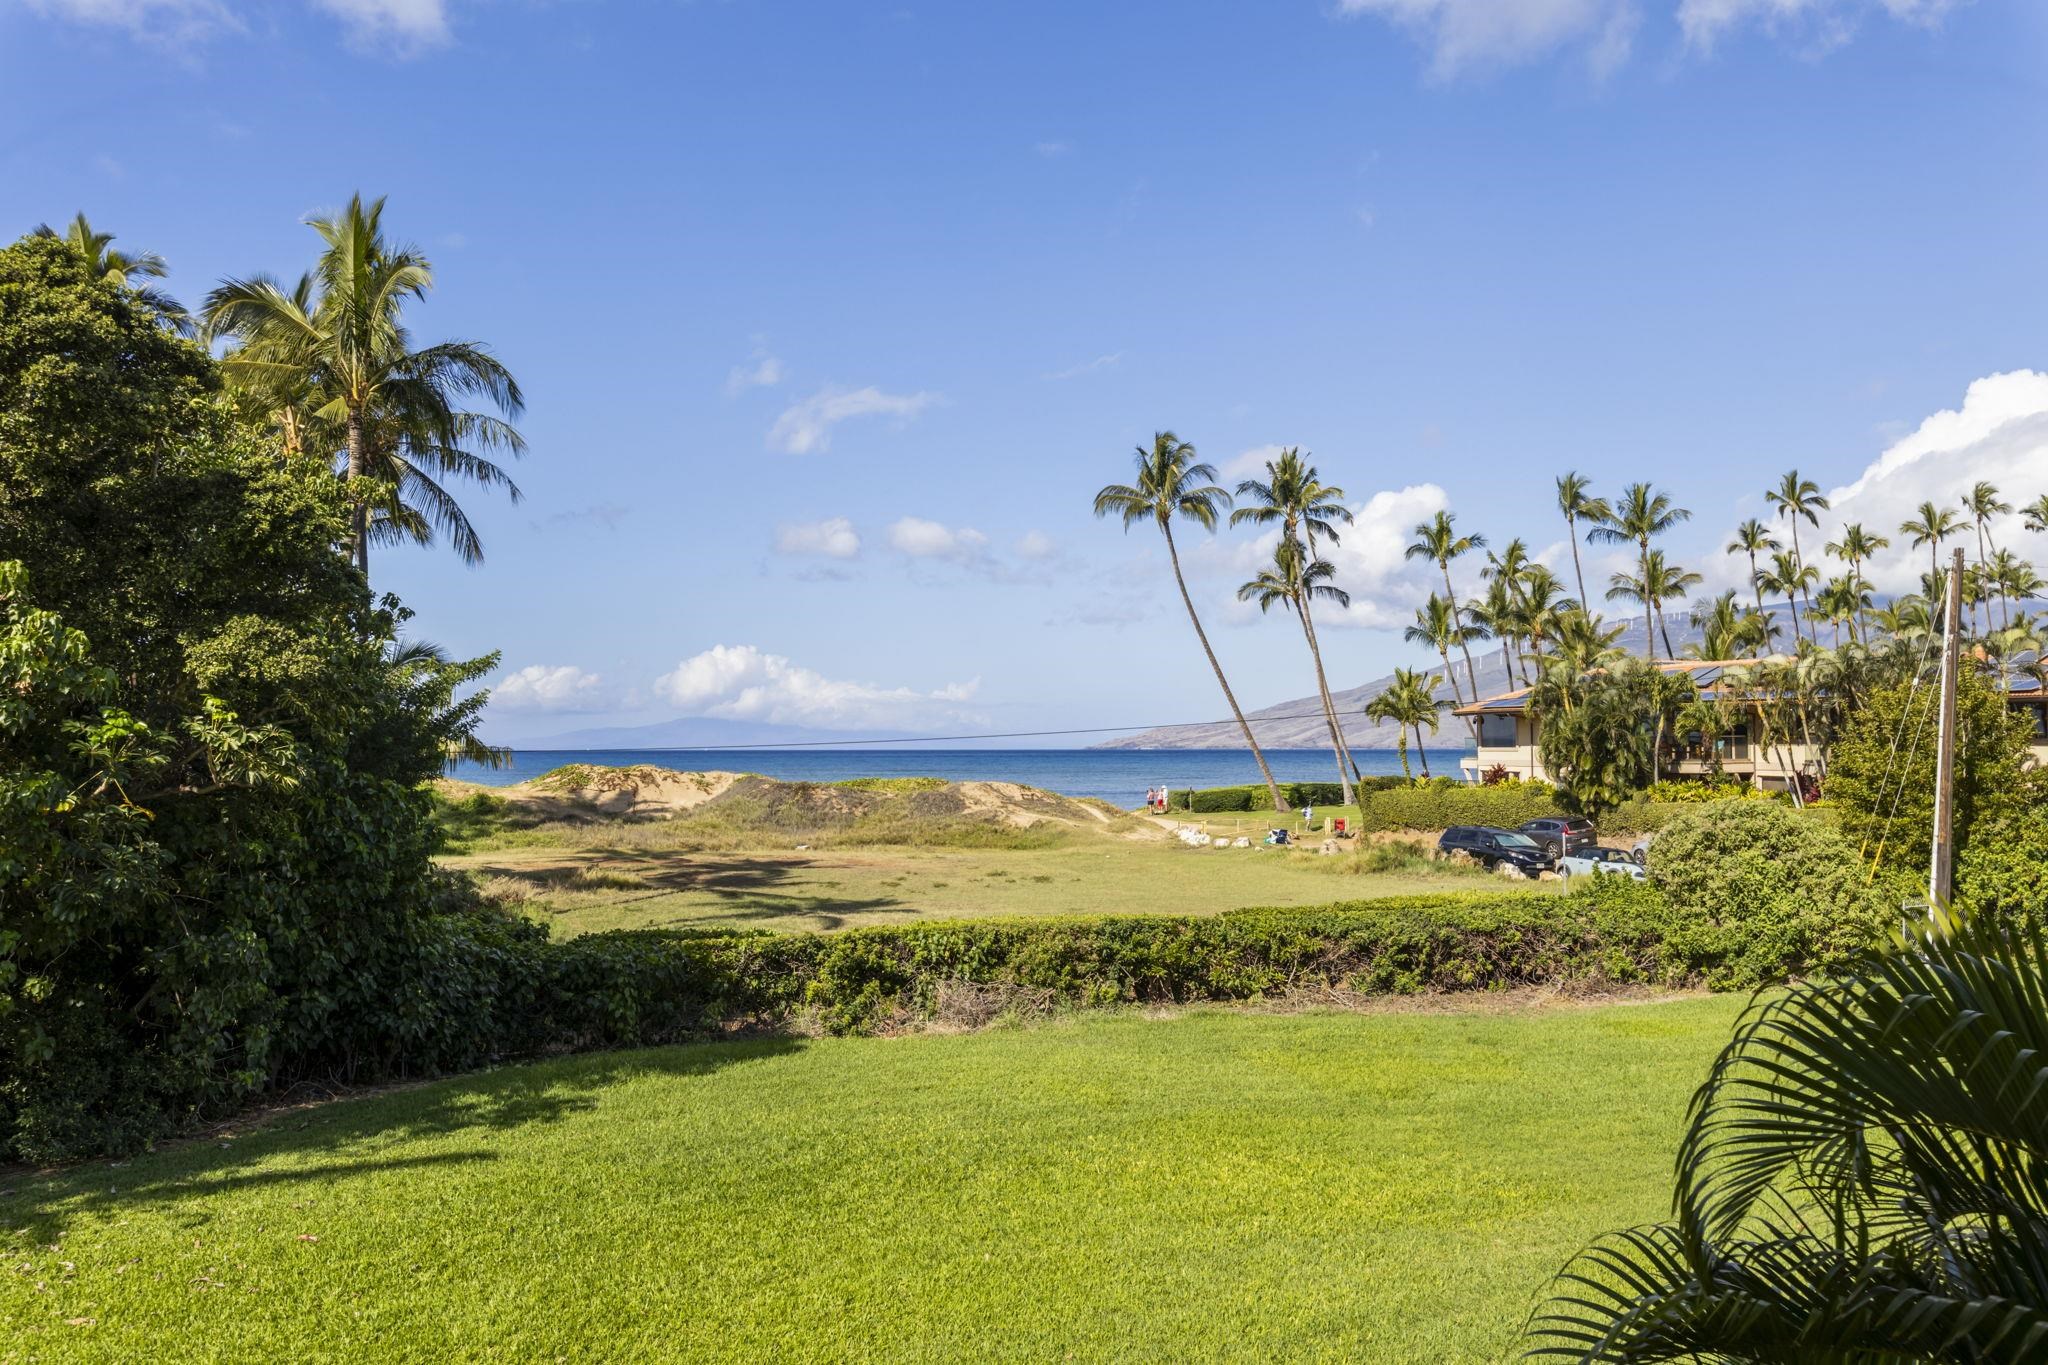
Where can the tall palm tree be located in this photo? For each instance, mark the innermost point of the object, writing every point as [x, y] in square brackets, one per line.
[1855, 548]
[1585, 643]
[1439, 625]
[1641, 513]
[1859, 1178]
[1788, 577]
[1797, 499]
[1931, 526]
[2035, 514]
[1499, 615]
[1296, 580]
[1172, 485]
[1659, 583]
[1575, 500]
[1543, 602]
[1726, 630]
[1839, 602]
[121, 268]
[1438, 540]
[1753, 538]
[1983, 503]
[1409, 702]
[1293, 495]
[338, 338]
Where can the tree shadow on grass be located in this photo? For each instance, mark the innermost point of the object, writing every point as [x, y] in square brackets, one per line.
[336, 1140]
[745, 888]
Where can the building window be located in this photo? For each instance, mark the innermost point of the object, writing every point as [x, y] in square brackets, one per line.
[1497, 732]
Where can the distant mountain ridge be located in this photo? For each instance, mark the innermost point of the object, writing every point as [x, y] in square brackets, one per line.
[1298, 723]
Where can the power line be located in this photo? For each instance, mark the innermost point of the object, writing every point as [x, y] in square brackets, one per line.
[943, 739]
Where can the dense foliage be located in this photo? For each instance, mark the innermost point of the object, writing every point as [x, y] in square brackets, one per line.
[1859, 1179]
[1882, 775]
[215, 872]
[1760, 885]
[1598, 739]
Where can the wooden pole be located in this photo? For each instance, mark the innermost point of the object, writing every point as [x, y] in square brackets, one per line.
[1941, 871]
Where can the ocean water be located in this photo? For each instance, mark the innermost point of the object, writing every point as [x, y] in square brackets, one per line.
[1121, 776]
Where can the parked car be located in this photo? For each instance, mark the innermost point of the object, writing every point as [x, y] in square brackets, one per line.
[1560, 835]
[1588, 862]
[1490, 847]
[1640, 851]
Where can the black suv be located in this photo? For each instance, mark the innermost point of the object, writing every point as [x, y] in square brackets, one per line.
[1560, 835]
[1491, 847]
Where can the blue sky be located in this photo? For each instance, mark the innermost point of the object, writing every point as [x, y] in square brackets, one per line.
[834, 316]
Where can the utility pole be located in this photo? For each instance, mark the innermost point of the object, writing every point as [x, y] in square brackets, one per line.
[1939, 874]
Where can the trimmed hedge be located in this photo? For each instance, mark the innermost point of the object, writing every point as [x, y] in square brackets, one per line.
[1440, 805]
[1253, 796]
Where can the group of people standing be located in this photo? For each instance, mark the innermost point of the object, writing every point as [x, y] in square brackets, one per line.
[1156, 799]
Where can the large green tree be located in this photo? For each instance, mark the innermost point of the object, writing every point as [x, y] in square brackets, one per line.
[214, 868]
[330, 363]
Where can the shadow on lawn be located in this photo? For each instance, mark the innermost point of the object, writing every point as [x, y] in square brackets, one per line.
[338, 1140]
[748, 888]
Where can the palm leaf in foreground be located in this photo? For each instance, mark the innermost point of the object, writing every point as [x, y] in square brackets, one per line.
[1861, 1179]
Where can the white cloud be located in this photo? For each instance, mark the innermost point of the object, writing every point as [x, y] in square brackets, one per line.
[1101, 362]
[538, 687]
[1248, 465]
[806, 427]
[740, 682]
[921, 539]
[1050, 150]
[178, 21]
[832, 538]
[1469, 34]
[1370, 557]
[1828, 22]
[404, 24]
[1998, 435]
[1036, 545]
[761, 371]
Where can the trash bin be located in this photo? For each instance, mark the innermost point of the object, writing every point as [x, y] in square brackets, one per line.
[1340, 827]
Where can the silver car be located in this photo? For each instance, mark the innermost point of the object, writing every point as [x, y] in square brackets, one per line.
[1588, 861]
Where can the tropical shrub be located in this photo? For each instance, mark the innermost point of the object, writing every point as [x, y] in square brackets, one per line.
[1224, 800]
[2003, 874]
[1757, 887]
[1857, 1181]
[1881, 776]
[1438, 805]
[214, 870]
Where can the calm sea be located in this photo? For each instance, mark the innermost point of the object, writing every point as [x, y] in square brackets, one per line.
[1118, 775]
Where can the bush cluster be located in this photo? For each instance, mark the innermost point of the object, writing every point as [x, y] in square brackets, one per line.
[1225, 800]
[1441, 804]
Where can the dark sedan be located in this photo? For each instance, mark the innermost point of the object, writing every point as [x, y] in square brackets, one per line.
[1562, 834]
[1490, 847]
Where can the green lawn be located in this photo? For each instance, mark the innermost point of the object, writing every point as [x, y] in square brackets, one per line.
[608, 884]
[1213, 1185]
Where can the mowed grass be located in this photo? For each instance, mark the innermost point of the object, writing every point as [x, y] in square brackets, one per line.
[609, 884]
[1214, 1185]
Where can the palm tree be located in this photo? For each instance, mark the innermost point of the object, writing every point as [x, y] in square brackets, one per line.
[1983, 503]
[1797, 499]
[1575, 500]
[120, 268]
[1171, 484]
[337, 340]
[1854, 548]
[1295, 580]
[1543, 602]
[1438, 624]
[1788, 577]
[1753, 538]
[1498, 615]
[1858, 1180]
[1930, 527]
[1643, 512]
[1584, 643]
[1437, 541]
[1726, 631]
[1408, 701]
[1293, 495]
[2035, 514]
[1661, 583]
[1840, 601]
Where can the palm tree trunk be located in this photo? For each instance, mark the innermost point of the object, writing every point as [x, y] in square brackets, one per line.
[359, 512]
[1315, 652]
[1458, 619]
[1471, 722]
[1571, 526]
[1401, 743]
[1422, 751]
[1643, 582]
[1664, 629]
[1272, 787]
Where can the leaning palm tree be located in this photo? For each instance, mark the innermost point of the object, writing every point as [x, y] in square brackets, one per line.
[1797, 499]
[1859, 1180]
[1753, 538]
[121, 268]
[1983, 503]
[1931, 526]
[1575, 500]
[338, 339]
[1172, 485]
[1438, 541]
[1297, 580]
[1641, 513]
[1294, 496]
